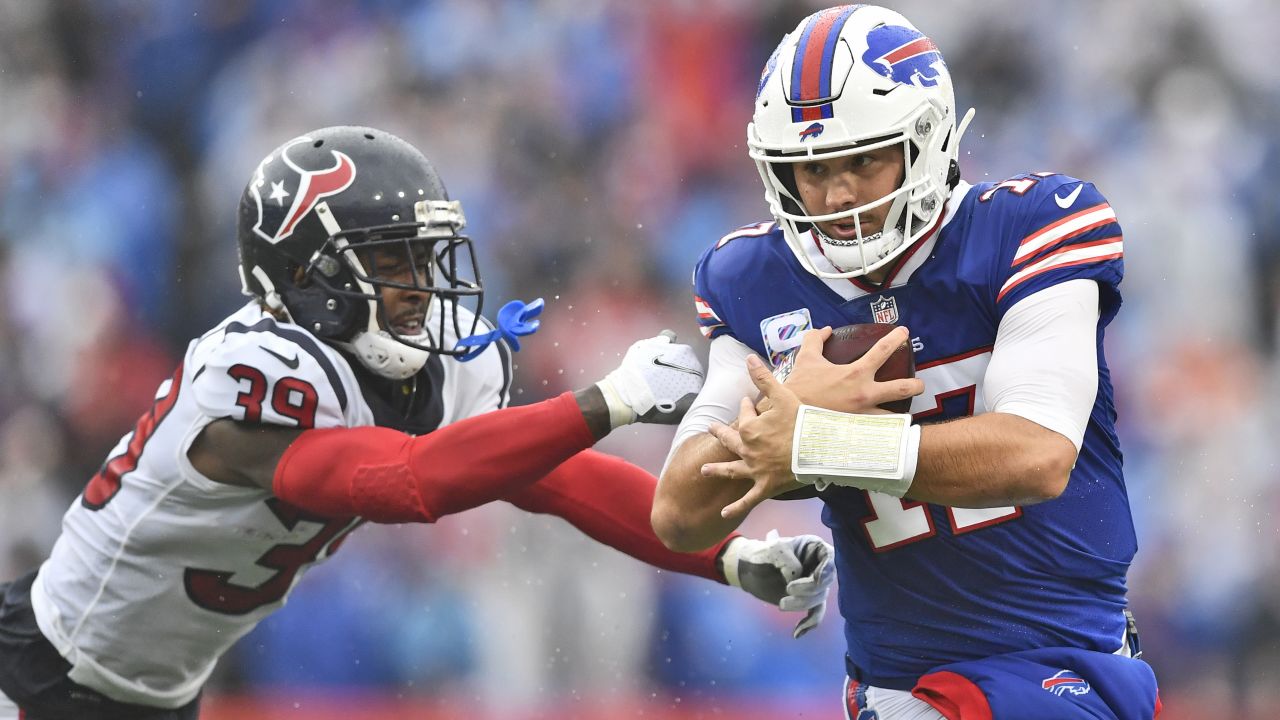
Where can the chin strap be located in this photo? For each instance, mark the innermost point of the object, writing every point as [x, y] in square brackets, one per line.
[953, 172]
[515, 320]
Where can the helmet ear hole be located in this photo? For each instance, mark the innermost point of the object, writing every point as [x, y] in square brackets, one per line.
[328, 315]
[786, 175]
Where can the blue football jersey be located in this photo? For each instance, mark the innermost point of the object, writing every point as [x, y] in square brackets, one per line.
[924, 585]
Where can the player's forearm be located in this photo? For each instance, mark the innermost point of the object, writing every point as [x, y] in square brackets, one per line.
[609, 499]
[387, 476]
[686, 507]
[991, 460]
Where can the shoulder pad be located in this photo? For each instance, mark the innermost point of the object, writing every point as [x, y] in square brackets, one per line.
[271, 372]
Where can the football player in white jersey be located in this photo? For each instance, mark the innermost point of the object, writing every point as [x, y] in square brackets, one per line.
[355, 387]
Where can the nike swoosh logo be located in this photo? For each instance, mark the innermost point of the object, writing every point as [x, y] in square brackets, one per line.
[1069, 200]
[678, 368]
[291, 363]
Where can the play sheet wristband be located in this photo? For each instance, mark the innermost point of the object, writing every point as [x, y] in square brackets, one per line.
[872, 452]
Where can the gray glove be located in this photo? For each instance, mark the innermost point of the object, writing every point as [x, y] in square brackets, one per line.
[793, 573]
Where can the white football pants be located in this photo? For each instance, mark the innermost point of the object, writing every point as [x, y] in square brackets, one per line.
[888, 704]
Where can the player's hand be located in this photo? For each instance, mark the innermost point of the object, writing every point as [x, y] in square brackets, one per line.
[848, 388]
[656, 382]
[792, 573]
[762, 441]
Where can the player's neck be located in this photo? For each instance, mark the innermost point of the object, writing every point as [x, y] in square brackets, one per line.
[877, 276]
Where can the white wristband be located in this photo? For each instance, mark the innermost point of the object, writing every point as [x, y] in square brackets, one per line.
[729, 561]
[620, 411]
[872, 452]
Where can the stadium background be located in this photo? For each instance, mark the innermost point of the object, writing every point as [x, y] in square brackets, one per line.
[597, 148]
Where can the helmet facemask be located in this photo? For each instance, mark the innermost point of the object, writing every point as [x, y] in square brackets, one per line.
[320, 210]
[914, 205]
[849, 80]
[354, 267]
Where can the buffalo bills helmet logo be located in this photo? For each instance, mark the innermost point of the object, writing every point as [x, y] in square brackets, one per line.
[812, 131]
[903, 55]
[295, 191]
[769, 68]
[1065, 681]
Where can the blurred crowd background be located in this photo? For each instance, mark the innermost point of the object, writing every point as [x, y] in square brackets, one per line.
[597, 147]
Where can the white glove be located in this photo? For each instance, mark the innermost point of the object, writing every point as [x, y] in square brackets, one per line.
[656, 382]
[793, 573]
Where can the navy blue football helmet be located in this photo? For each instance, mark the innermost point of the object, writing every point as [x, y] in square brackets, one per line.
[316, 213]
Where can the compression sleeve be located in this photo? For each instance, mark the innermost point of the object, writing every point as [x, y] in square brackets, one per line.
[1045, 363]
[386, 476]
[727, 383]
[609, 500]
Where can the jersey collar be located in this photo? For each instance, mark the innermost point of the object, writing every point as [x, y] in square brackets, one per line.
[906, 266]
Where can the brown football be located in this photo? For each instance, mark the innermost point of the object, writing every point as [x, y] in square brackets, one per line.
[851, 342]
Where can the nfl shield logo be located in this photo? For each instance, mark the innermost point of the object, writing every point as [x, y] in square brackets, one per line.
[885, 310]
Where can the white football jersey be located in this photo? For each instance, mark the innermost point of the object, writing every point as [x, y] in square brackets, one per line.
[159, 569]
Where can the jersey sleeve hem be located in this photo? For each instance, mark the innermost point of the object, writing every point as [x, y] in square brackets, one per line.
[1048, 420]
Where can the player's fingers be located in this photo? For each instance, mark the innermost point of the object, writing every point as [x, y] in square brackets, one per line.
[764, 405]
[891, 390]
[909, 387]
[811, 343]
[810, 621]
[731, 470]
[885, 347]
[764, 380]
[738, 509]
[728, 437]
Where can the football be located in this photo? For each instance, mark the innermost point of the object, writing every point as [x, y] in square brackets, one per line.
[851, 342]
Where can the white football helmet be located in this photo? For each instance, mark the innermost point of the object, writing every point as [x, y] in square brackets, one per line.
[847, 80]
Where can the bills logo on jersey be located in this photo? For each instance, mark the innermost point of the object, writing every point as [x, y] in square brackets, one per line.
[812, 131]
[884, 310]
[783, 332]
[294, 191]
[903, 55]
[1065, 681]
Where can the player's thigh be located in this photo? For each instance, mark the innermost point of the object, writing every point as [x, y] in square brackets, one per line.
[8, 710]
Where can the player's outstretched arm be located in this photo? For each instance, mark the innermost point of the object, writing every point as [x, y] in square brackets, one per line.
[388, 476]
[608, 499]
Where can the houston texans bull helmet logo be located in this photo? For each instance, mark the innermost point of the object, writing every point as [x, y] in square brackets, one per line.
[903, 55]
[295, 190]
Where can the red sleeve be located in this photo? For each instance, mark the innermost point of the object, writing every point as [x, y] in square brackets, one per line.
[609, 500]
[386, 476]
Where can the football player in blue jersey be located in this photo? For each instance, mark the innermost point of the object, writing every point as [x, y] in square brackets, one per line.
[983, 540]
